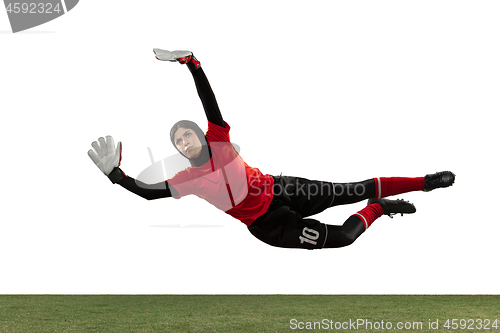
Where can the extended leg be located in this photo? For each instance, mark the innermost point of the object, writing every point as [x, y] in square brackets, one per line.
[381, 187]
[283, 227]
[346, 234]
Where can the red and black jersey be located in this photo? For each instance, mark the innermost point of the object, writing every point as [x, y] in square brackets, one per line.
[226, 181]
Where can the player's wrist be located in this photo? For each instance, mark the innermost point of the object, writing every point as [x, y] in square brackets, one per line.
[116, 176]
[193, 64]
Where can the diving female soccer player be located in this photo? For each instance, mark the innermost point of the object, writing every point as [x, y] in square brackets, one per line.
[276, 209]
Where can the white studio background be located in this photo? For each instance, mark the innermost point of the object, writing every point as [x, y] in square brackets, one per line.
[340, 91]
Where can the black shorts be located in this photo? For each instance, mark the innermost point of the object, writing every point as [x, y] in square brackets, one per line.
[285, 223]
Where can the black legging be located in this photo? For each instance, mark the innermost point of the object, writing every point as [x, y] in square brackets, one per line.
[353, 227]
[348, 193]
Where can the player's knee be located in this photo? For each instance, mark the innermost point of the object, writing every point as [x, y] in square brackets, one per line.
[349, 238]
[339, 238]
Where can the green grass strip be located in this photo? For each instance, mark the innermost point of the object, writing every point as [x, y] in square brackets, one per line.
[241, 313]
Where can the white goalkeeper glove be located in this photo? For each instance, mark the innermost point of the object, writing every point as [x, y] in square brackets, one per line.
[105, 155]
[165, 55]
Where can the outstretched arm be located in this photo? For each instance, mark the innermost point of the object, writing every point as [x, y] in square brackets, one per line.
[108, 159]
[203, 87]
[146, 191]
[207, 96]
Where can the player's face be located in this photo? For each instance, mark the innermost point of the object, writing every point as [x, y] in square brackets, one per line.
[187, 142]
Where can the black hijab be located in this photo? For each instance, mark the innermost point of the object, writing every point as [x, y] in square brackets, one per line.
[205, 150]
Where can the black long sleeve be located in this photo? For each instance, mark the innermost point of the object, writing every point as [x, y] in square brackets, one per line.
[207, 97]
[146, 191]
